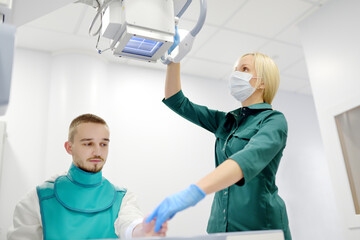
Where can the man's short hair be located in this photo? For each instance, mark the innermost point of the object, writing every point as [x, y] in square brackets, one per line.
[84, 118]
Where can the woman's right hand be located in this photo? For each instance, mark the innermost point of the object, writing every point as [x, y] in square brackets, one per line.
[175, 203]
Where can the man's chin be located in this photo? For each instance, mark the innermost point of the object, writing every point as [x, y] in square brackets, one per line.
[94, 169]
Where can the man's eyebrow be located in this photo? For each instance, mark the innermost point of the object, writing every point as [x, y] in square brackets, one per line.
[90, 139]
[86, 139]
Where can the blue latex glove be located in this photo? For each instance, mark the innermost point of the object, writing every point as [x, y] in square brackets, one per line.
[176, 40]
[175, 203]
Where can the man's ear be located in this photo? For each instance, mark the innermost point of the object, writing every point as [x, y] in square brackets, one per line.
[68, 147]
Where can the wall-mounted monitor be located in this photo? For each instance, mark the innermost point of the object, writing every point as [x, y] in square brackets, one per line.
[348, 126]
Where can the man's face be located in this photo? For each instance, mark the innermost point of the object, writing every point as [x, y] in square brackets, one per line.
[90, 146]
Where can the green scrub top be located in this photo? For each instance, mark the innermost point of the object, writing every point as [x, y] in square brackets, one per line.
[254, 137]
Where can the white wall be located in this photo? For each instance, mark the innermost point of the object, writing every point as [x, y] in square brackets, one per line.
[2, 137]
[146, 138]
[331, 43]
[24, 145]
[303, 178]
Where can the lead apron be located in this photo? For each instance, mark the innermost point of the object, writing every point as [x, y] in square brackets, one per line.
[79, 205]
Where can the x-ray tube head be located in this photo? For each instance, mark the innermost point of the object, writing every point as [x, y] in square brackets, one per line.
[143, 29]
[140, 29]
[142, 47]
[142, 44]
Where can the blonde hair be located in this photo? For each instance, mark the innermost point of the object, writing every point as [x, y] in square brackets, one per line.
[85, 118]
[269, 74]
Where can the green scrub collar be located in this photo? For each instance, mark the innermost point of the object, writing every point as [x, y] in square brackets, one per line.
[83, 178]
[246, 111]
[260, 106]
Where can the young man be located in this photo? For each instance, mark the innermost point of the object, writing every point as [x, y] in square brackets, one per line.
[81, 204]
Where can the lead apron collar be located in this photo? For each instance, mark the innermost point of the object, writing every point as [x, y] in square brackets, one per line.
[85, 192]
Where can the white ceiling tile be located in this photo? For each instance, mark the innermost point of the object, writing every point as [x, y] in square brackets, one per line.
[25, 11]
[35, 38]
[204, 35]
[87, 17]
[206, 69]
[267, 18]
[64, 19]
[315, 7]
[217, 11]
[284, 55]
[290, 35]
[227, 46]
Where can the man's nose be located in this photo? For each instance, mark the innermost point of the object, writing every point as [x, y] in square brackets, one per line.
[97, 150]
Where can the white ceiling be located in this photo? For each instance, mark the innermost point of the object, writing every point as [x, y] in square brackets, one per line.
[232, 28]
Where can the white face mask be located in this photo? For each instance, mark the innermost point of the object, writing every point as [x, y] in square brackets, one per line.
[240, 87]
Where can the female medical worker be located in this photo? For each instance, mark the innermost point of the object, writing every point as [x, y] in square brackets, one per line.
[249, 145]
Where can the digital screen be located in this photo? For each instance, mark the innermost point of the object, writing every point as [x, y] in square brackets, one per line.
[142, 47]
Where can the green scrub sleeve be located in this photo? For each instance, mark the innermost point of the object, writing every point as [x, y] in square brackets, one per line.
[266, 145]
[200, 115]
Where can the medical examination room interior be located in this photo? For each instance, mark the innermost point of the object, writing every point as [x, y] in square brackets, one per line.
[58, 74]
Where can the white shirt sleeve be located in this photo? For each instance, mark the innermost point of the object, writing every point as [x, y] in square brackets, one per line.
[27, 219]
[129, 216]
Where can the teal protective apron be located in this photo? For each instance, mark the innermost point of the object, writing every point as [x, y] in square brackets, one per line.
[79, 205]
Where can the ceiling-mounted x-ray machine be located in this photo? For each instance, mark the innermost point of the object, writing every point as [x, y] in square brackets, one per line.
[145, 29]
[138, 29]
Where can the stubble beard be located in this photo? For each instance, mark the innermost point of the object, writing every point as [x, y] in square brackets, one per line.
[95, 169]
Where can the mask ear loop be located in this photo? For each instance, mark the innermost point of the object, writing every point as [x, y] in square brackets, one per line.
[259, 83]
